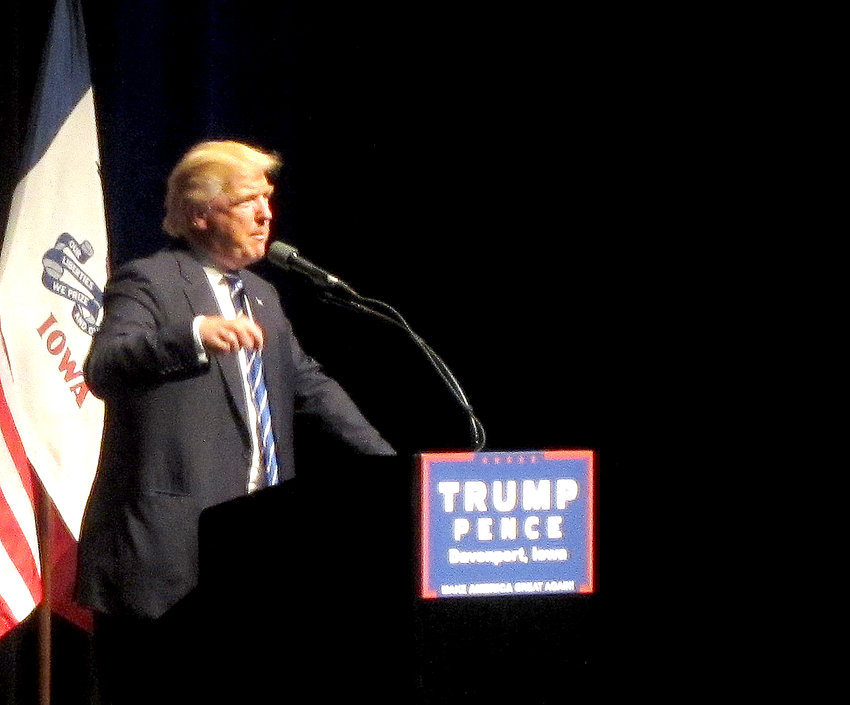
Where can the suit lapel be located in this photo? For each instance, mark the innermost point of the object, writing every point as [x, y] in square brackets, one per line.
[264, 314]
[202, 301]
[261, 312]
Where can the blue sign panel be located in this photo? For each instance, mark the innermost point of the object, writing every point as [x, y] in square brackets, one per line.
[507, 523]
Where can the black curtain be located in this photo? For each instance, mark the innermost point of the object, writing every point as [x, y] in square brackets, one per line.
[458, 165]
[490, 172]
[470, 168]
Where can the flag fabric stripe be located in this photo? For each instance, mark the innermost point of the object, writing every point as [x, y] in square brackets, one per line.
[16, 544]
[13, 442]
[20, 584]
[53, 268]
[63, 83]
[16, 481]
[17, 594]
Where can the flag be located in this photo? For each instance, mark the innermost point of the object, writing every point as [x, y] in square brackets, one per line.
[52, 270]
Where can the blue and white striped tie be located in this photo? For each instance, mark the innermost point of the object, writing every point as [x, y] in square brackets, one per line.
[257, 382]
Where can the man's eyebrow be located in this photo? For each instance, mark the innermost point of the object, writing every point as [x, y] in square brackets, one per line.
[248, 194]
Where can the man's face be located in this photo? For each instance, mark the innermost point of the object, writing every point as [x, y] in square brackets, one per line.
[234, 230]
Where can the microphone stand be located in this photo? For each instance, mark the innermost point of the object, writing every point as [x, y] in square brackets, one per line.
[364, 305]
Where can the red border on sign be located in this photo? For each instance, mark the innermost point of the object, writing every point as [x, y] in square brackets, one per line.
[427, 459]
[578, 455]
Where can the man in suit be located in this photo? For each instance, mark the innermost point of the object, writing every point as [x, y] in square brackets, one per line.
[174, 361]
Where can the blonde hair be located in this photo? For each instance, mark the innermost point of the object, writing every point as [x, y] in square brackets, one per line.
[204, 172]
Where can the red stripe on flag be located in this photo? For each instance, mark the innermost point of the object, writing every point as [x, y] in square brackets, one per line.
[11, 534]
[61, 550]
[15, 446]
[19, 551]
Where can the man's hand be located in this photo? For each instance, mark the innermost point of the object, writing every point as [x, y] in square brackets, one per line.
[220, 335]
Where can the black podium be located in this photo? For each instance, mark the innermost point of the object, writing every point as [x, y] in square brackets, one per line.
[308, 587]
[309, 591]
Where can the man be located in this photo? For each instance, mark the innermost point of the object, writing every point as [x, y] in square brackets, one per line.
[201, 375]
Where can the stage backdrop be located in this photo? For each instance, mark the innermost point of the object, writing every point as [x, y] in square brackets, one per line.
[483, 171]
[455, 164]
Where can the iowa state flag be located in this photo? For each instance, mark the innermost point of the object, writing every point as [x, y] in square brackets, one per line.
[52, 271]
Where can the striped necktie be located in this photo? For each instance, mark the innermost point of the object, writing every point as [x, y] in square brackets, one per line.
[257, 383]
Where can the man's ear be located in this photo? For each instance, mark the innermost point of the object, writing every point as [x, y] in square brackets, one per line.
[199, 217]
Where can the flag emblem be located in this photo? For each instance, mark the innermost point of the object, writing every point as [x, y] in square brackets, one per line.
[67, 255]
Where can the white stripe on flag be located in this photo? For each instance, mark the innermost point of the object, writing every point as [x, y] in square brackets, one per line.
[17, 498]
[20, 580]
[15, 592]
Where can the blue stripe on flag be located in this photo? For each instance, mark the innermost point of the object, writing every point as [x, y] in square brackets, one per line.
[63, 81]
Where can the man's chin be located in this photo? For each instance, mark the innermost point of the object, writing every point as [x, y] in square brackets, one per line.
[246, 253]
[258, 252]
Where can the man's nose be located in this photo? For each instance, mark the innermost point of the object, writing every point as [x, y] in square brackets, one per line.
[264, 212]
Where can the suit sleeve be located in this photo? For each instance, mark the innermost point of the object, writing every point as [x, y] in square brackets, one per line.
[138, 343]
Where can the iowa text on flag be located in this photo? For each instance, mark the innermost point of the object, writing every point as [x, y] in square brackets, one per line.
[52, 270]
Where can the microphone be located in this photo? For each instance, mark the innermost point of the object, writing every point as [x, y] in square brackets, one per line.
[286, 257]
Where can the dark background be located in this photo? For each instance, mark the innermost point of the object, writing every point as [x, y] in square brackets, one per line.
[506, 178]
[478, 170]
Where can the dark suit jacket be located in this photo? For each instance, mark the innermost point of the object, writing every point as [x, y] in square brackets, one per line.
[176, 437]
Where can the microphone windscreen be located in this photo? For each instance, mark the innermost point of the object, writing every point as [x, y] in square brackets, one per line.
[280, 253]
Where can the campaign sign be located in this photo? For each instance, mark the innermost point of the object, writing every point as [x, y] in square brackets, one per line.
[507, 523]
